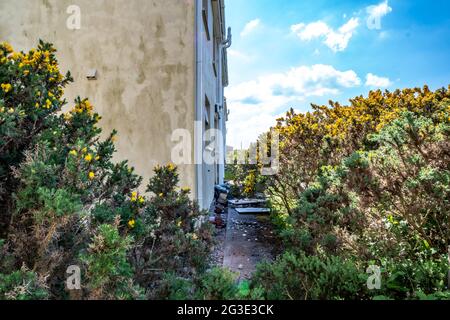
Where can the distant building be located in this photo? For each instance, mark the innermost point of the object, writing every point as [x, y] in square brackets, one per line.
[155, 66]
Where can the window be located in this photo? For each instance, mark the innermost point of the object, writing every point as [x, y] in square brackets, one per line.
[205, 12]
[214, 62]
[207, 113]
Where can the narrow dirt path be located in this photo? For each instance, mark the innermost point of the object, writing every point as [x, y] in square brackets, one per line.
[248, 241]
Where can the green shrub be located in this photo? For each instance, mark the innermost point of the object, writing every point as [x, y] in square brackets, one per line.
[22, 285]
[301, 277]
[214, 284]
[415, 279]
[31, 94]
[218, 284]
[67, 203]
[108, 272]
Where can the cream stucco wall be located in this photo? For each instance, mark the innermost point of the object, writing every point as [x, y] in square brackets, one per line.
[144, 52]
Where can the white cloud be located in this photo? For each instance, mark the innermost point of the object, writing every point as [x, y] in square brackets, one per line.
[376, 12]
[335, 40]
[238, 55]
[376, 81]
[255, 105]
[250, 27]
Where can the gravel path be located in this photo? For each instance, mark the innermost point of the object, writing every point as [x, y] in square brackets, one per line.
[248, 241]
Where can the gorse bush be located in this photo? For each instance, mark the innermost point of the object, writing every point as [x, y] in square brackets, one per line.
[107, 268]
[301, 277]
[175, 236]
[64, 202]
[214, 284]
[22, 285]
[30, 94]
[368, 183]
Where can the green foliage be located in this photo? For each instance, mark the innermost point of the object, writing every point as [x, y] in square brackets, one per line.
[368, 182]
[59, 201]
[215, 284]
[65, 202]
[415, 279]
[301, 277]
[22, 285]
[218, 284]
[32, 88]
[108, 271]
[175, 237]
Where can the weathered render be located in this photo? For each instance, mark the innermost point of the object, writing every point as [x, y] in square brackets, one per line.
[146, 56]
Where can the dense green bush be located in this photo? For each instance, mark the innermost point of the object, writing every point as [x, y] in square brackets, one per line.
[64, 202]
[22, 285]
[215, 284]
[358, 185]
[368, 183]
[301, 277]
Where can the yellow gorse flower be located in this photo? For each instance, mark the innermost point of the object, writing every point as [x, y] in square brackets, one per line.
[6, 87]
[91, 175]
[83, 106]
[134, 196]
[8, 48]
[132, 223]
[88, 158]
[73, 153]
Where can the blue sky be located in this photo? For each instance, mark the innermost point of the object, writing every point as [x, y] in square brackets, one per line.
[290, 53]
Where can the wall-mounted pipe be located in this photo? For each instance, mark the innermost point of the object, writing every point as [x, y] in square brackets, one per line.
[227, 43]
[198, 132]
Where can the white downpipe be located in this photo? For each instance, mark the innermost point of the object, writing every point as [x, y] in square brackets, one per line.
[198, 125]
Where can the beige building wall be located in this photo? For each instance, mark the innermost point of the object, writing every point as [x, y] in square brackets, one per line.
[145, 55]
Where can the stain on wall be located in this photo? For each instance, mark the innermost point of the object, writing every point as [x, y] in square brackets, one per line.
[144, 54]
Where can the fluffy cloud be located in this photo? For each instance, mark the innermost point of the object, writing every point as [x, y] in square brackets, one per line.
[250, 27]
[375, 13]
[336, 40]
[255, 105]
[238, 55]
[377, 82]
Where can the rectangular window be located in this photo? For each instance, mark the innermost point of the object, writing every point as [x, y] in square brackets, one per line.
[205, 12]
[214, 62]
[207, 113]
